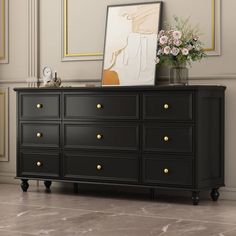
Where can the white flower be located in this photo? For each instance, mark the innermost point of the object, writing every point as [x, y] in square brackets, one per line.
[157, 60]
[195, 37]
[177, 34]
[159, 52]
[167, 50]
[175, 51]
[185, 51]
[177, 42]
[163, 40]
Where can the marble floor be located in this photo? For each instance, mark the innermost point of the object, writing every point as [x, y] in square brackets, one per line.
[93, 213]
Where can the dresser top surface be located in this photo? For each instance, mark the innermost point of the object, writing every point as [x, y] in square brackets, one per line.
[123, 88]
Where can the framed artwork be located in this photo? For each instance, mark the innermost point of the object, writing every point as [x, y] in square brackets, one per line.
[131, 44]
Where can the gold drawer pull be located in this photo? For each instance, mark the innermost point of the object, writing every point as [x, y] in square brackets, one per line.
[39, 163]
[99, 136]
[39, 106]
[166, 138]
[166, 171]
[166, 106]
[99, 106]
[39, 135]
[99, 167]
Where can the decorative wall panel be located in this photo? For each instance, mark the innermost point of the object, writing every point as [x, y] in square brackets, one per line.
[83, 43]
[3, 124]
[3, 31]
[203, 13]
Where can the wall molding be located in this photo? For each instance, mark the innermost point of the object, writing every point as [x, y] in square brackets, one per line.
[8, 178]
[4, 31]
[73, 56]
[4, 128]
[13, 81]
[215, 49]
[95, 79]
[33, 43]
[228, 193]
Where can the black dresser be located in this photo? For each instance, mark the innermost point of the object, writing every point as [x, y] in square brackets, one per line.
[156, 137]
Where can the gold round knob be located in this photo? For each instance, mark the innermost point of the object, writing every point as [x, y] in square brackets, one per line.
[99, 167]
[39, 163]
[99, 136]
[166, 138]
[39, 106]
[166, 106]
[99, 106]
[166, 171]
[39, 135]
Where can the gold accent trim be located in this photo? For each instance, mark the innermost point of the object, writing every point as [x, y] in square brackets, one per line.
[213, 25]
[3, 33]
[66, 45]
[4, 124]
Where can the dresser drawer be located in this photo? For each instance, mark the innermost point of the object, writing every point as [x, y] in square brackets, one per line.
[39, 106]
[101, 106]
[102, 136]
[168, 137]
[107, 167]
[40, 135]
[177, 171]
[168, 106]
[41, 164]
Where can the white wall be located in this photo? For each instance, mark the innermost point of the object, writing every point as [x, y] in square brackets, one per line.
[213, 70]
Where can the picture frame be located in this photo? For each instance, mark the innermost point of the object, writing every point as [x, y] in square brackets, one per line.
[131, 44]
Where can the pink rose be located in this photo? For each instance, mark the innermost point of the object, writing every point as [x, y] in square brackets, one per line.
[185, 51]
[175, 51]
[167, 50]
[177, 42]
[163, 40]
[177, 34]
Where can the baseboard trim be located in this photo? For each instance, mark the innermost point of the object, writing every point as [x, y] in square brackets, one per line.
[8, 178]
[98, 80]
[227, 193]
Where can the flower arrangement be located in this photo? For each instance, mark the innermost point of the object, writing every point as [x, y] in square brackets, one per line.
[179, 44]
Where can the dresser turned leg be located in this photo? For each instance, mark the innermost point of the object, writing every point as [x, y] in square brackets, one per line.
[152, 193]
[195, 197]
[24, 185]
[47, 184]
[215, 194]
[76, 188]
